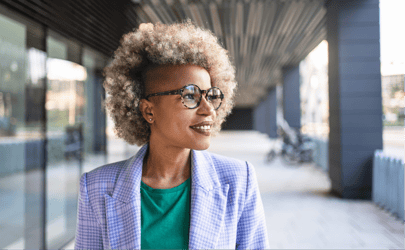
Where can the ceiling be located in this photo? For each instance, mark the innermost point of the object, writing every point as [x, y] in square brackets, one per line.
[262, 36]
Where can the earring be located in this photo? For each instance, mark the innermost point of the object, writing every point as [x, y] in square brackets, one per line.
[150, 119]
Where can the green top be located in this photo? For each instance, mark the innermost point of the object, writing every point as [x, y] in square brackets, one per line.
[165, 216]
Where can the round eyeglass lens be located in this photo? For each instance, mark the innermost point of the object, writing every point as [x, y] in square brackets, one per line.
[191, 96]
[214, 97]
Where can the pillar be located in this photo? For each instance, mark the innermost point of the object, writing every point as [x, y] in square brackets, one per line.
[353, 33]
[264, 114]
[291, 96]
[259, 120]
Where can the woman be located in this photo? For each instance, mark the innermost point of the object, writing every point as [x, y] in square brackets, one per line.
[171, 87]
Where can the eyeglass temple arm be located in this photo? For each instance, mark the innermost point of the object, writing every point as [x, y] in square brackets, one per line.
[206, 92]
[173, 92]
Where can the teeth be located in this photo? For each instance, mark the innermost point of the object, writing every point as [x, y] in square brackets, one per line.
[203, 127]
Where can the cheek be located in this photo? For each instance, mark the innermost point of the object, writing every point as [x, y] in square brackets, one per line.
[175, 117]
[182, 120]
[177, 122]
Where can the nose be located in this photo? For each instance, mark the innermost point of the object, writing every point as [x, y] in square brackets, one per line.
[205, 106]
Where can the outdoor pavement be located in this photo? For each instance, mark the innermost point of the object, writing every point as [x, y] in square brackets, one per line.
[300, 213]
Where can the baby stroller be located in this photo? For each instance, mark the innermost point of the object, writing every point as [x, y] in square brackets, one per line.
[292, 145]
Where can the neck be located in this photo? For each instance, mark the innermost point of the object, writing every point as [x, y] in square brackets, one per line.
[166, 163]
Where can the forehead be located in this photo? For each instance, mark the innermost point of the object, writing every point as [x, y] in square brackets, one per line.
[170, 77]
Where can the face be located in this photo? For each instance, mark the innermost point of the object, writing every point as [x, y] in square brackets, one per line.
[172, 121]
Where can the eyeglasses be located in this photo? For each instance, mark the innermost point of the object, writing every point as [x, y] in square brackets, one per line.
[191, 96]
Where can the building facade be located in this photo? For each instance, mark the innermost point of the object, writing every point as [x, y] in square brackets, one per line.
[52, 124]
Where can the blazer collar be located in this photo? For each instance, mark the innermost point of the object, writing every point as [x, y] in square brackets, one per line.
[203, 174]
[207, 195]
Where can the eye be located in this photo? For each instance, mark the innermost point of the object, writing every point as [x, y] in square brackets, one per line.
[189, 96]
[213, 97]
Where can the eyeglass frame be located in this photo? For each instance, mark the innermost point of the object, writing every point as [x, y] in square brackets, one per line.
[180, 92]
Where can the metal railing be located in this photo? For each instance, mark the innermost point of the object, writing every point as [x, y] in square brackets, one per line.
[388, 183]
[321, 153]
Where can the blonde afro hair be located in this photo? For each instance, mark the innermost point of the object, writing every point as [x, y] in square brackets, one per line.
[161, 44]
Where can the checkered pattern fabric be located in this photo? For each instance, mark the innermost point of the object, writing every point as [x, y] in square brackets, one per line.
[226, 207]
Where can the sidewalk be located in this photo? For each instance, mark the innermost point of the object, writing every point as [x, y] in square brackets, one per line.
[299, 212]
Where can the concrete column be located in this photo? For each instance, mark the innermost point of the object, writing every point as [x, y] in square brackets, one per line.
[291, 96]
[354, 95]
[259, 120]
[271, 121]
[264, 115]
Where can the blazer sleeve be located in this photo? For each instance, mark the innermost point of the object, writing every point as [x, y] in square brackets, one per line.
[88, 230]
[252, 229]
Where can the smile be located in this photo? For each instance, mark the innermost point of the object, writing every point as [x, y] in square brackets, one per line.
[205, 130]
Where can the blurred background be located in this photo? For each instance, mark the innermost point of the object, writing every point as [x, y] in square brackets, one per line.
[319, 112]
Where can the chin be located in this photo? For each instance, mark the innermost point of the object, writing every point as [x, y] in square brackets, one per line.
[201, 145]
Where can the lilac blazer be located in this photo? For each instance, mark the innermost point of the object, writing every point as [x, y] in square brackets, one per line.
[226, 207]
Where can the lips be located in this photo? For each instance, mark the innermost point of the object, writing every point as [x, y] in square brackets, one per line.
[204, 123]
[203, 128]
[205, 132]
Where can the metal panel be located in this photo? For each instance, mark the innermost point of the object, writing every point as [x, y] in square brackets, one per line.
[388, 183]
[98, 24]
[261, 36]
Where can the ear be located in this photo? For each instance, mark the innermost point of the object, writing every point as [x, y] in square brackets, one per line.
[146, 108]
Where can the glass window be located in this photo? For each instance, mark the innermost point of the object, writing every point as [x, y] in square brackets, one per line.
[22, 72]
[12, 82]
[38, 188]
[94, 115]
[64, 110]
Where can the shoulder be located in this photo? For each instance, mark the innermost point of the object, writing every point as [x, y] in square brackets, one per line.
[103, 178]
[227, 162]
[230, 169]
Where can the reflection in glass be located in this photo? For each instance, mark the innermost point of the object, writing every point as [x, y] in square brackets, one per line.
[64, 109]
[12, 175]
[22, 72]
[94, 114]
[65, 94]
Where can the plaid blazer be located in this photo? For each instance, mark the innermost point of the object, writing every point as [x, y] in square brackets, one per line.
[226, 208]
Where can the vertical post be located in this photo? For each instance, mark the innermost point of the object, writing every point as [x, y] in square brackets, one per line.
[99, 119]
[264, 114]
[272, 113]
[291, 96]
[353, 34]
[259, 121]
[35, 160]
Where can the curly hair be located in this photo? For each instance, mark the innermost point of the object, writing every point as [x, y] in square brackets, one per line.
[161, 44]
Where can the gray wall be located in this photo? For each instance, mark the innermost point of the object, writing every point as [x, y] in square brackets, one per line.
[239, 119]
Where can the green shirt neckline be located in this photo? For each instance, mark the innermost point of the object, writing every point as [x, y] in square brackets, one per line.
[165, 191]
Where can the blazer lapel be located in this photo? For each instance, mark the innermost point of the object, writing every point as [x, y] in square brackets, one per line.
[123, 207]
[123, 223]
[208, 203]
